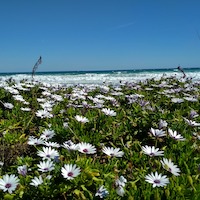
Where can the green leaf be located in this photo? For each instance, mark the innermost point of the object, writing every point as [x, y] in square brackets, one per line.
[9, 196]
[79, 194]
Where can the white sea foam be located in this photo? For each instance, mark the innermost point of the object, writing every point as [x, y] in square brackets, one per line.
[96, 78]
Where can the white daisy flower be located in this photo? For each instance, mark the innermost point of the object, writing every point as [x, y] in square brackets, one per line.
[65, 124]
[70, 171]
[57, 97]
[109, 112]
[52, 144]
[36, 181]
[25, 109]
[11, 90]
[157, 132]
[193, 114]
[191, 98]
[86, 148]
[177, 100]
[120, 191]
[46, 93]
[152, 151]
[48, 153]
[121, 181]
[43, 114]
[102, 192]
[8, 105]
[26, 103]
[31, 85]
[170, 166]
[22, 170]
[49, 177]
[104, 89]
[81, 119]
[18, 98]
[98, 101]
[162, 124]
[70, 145]
[46, 166]
[47, 134]
[9, 183]
[35, 141]
[47, 105]
[157, 180]
[191, 123]
[115, 152]
[40, 100]
[143, 103]
[175, 135]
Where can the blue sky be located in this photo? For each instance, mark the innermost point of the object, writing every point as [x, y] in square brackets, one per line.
[99, 34]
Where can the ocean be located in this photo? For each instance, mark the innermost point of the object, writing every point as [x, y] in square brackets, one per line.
[69, 78]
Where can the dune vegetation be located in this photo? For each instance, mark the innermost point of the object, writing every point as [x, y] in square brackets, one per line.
[129, 141]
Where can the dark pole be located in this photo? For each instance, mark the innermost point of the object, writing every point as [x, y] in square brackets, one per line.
[180, 69]
[36, 65]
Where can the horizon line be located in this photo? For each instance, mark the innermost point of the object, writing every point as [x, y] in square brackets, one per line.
[138, 69]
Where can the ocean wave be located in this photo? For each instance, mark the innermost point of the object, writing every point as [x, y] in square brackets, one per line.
[96, 78]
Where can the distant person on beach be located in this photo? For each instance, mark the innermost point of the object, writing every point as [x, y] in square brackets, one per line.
[180, 69]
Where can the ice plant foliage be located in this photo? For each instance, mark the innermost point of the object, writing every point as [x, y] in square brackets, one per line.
[95, 142]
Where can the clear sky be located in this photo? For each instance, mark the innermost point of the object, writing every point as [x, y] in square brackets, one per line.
[99, 34]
